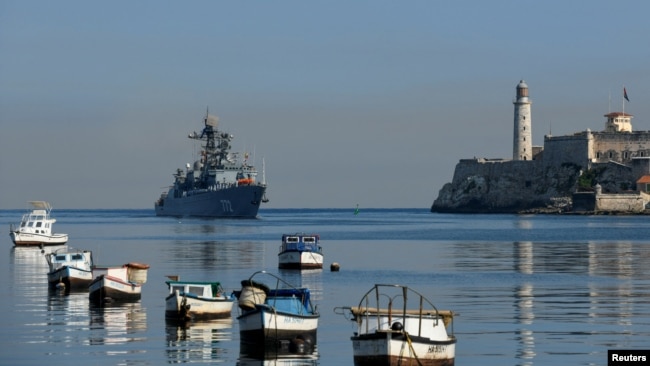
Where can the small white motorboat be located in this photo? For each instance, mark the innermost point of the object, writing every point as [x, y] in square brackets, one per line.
[300, 251]
[193, 300]
[390, 333]
[36, 227]
[118, 284]
[276, 321]
[70, 269]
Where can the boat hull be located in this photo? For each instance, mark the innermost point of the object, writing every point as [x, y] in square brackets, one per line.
[294, 259]
[236, 202]
[391, 334]
[31, 239]
[275, 329]
[106, 289]
[186, 307]
[71, 278]
[392, 348]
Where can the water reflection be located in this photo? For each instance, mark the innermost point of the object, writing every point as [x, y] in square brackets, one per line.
[525, 316]
[29, 267]
[198, 341]
[214, 255]
[207, 226]
[617, 259]
[570, 291]
[278, 360]
[34, 256]
[526, 346]
[66, 317]
[524, 222]
[306, 278]
[284, 350]
[524, 256]
[117, 324]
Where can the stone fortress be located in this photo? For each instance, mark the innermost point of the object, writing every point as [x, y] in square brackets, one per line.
[589, 171]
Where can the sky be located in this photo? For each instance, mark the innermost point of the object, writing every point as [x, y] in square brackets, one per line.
[347, 102]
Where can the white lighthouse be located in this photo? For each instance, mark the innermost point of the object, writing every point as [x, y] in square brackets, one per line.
[522, 147]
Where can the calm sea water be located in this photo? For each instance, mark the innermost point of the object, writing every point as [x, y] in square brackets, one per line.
[530, 290]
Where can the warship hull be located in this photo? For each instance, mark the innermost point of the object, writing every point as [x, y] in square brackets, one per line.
[235, 202]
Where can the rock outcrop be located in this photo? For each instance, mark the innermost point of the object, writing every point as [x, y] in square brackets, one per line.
[508, 186]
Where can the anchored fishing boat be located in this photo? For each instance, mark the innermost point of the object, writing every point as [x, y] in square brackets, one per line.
[36, 227]
[276, 321]
[118, 284]
[219, 184]
[70, 269]
[192, 300]
[390, 333]
[300, 251]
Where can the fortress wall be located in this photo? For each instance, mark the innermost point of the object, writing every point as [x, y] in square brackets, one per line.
[620, 202]
[592, 202]
[492, 168]
[640, 166]
[586, 147]
[566, 149]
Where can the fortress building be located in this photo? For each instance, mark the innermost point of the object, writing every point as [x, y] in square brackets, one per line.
[591, 164]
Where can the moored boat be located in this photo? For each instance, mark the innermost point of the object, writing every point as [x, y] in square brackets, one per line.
[300, 251]
[281, 320]
[118, 284]
[220, 184]
[391, 333]
[194, 300]
[35, 227]
[70, 269]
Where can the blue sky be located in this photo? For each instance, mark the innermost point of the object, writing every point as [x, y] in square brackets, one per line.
[368, 102]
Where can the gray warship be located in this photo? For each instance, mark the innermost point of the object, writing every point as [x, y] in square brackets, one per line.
[220, 184]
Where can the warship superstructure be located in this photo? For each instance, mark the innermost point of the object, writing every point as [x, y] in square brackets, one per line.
[220, 183]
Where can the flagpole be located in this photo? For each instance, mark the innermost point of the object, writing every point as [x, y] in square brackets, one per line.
[609, 105]
[623, 100]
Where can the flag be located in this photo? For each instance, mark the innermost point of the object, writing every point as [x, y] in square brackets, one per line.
[625, 94]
